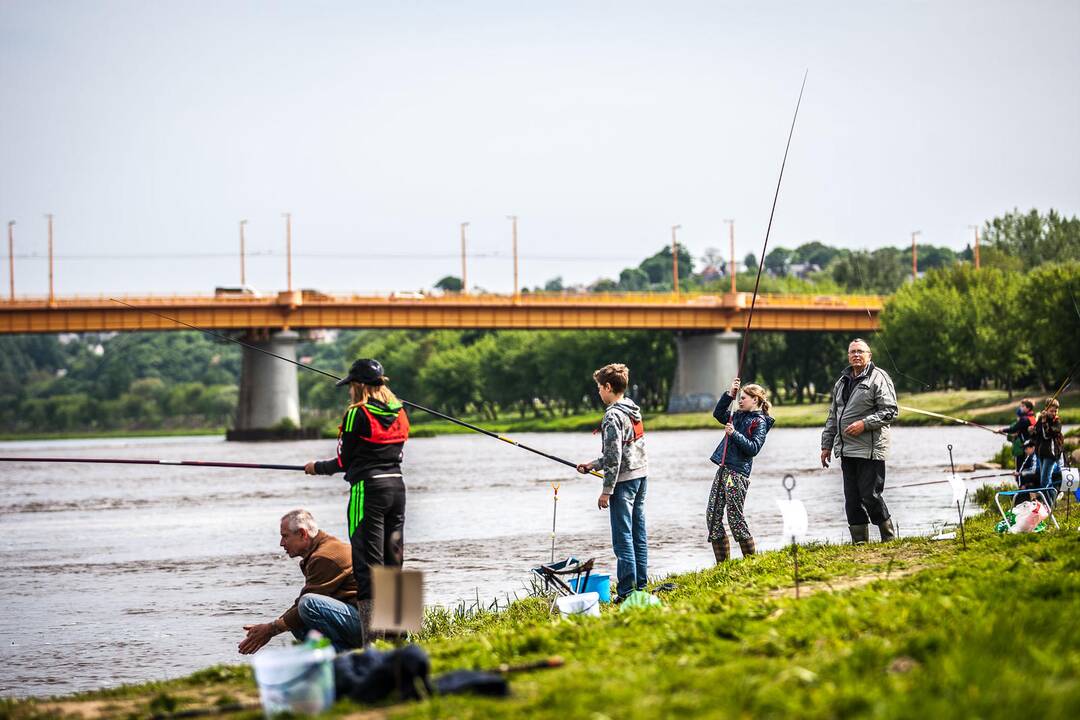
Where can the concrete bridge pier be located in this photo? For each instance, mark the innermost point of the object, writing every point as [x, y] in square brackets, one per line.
[269, 391]
[706, 364]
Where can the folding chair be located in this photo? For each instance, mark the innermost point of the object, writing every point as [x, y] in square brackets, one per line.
[553, 573]
[1043, 493]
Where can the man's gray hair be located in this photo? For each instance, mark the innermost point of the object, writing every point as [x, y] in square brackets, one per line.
[300, 518]
[855, 340]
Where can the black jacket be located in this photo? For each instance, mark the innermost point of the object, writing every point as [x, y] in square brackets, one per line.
[362, 452]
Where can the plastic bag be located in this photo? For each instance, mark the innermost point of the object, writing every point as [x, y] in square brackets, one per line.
[1029, 515]
[639, 599]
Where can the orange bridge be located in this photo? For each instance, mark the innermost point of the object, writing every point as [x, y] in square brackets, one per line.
[296, 310]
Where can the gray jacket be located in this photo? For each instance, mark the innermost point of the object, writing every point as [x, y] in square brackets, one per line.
[623, 447]
[872, 399]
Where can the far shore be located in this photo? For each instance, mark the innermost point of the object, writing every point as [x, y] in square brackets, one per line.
[992, 408]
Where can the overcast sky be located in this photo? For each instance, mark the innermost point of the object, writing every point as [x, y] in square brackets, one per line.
[151, 128]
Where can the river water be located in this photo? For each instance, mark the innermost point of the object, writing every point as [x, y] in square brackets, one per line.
[113, 574]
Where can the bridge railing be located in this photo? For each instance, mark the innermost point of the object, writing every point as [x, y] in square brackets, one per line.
[313, 297]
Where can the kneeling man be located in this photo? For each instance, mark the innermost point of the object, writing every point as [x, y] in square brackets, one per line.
[327, 602]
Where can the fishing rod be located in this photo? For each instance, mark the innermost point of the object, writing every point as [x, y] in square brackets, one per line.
[761, 263]
[124, 461]
[1011, 473]
[428, 410]
[949, 417]
[941, 482]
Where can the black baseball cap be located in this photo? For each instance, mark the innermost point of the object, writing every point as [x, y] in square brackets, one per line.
[364, 370]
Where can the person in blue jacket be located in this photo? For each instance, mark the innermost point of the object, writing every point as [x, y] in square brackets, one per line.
[745, 431]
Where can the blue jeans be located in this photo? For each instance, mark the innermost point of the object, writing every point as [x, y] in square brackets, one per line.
[628, 537]
[1046, 473]
[338, 621]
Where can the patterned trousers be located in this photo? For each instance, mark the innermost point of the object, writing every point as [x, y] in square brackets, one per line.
[728, 491]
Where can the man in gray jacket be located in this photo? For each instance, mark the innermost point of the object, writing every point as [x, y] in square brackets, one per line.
[862, 406]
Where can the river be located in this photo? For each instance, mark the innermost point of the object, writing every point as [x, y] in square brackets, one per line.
[115, 574]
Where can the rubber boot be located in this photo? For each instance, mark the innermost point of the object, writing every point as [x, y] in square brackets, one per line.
[860, 534]
[747, 547]
[721, 549]
[364, 608]
[888, 530]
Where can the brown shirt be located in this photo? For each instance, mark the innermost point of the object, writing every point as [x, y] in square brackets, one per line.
[327, 571]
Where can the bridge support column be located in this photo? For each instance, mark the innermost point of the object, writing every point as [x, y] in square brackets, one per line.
[706, 364]
[269, 391]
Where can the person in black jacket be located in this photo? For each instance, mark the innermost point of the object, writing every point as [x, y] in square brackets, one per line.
[370, 446]
[1048, 441]
[1020, 431]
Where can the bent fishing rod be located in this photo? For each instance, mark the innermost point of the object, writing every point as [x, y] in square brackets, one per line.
[761, 263]
[436, 413]
[125, 461]
[949, 417]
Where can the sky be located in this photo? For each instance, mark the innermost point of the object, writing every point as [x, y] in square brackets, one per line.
[150, 129]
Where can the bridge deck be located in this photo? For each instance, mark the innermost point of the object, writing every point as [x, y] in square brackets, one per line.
[532, 311]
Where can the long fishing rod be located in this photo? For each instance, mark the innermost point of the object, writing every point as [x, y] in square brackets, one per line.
[949, 417]
[764, 247]
[124, 461]
[428, 410]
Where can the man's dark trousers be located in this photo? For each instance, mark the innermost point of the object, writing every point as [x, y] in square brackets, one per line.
[864, 481]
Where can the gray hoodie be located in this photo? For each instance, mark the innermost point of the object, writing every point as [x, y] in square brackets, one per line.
[871, 398]
[624, 454]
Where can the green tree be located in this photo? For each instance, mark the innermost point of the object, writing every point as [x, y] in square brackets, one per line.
[777, 261]
[449, 283]
[1035, 238]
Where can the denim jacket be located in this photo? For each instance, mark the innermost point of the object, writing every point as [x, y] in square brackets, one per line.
[747, 439]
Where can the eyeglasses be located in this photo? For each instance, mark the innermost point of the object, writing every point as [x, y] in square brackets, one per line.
[858, 352]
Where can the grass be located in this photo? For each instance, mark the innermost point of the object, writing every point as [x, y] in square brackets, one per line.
[912, 629]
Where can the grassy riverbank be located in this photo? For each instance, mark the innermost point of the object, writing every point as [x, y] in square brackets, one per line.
[915, 628]
[75, 435]
[988, 407]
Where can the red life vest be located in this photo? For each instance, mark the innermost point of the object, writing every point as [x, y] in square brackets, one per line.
[398, 432]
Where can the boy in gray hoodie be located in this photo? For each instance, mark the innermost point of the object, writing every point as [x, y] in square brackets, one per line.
[625, 477]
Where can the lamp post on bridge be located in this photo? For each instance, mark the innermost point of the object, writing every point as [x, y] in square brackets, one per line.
[976, 229]
[914, 256]
[675, 259]
[52, 297]
[464, 273]
[731, 264]
[513, 220]
[11, 255]
[243, 279]
[288, 250]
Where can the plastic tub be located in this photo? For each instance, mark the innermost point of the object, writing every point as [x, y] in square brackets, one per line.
[298, 679]
[599, 584]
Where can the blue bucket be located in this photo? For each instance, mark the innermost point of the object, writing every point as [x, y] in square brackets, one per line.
[599, 584]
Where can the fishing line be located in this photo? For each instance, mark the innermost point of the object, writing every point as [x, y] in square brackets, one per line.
[761, 263]
[436, 413]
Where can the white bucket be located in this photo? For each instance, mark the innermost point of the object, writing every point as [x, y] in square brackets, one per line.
[297, 679]
[583, 604]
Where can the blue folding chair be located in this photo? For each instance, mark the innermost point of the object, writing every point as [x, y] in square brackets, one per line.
[1042, 492]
